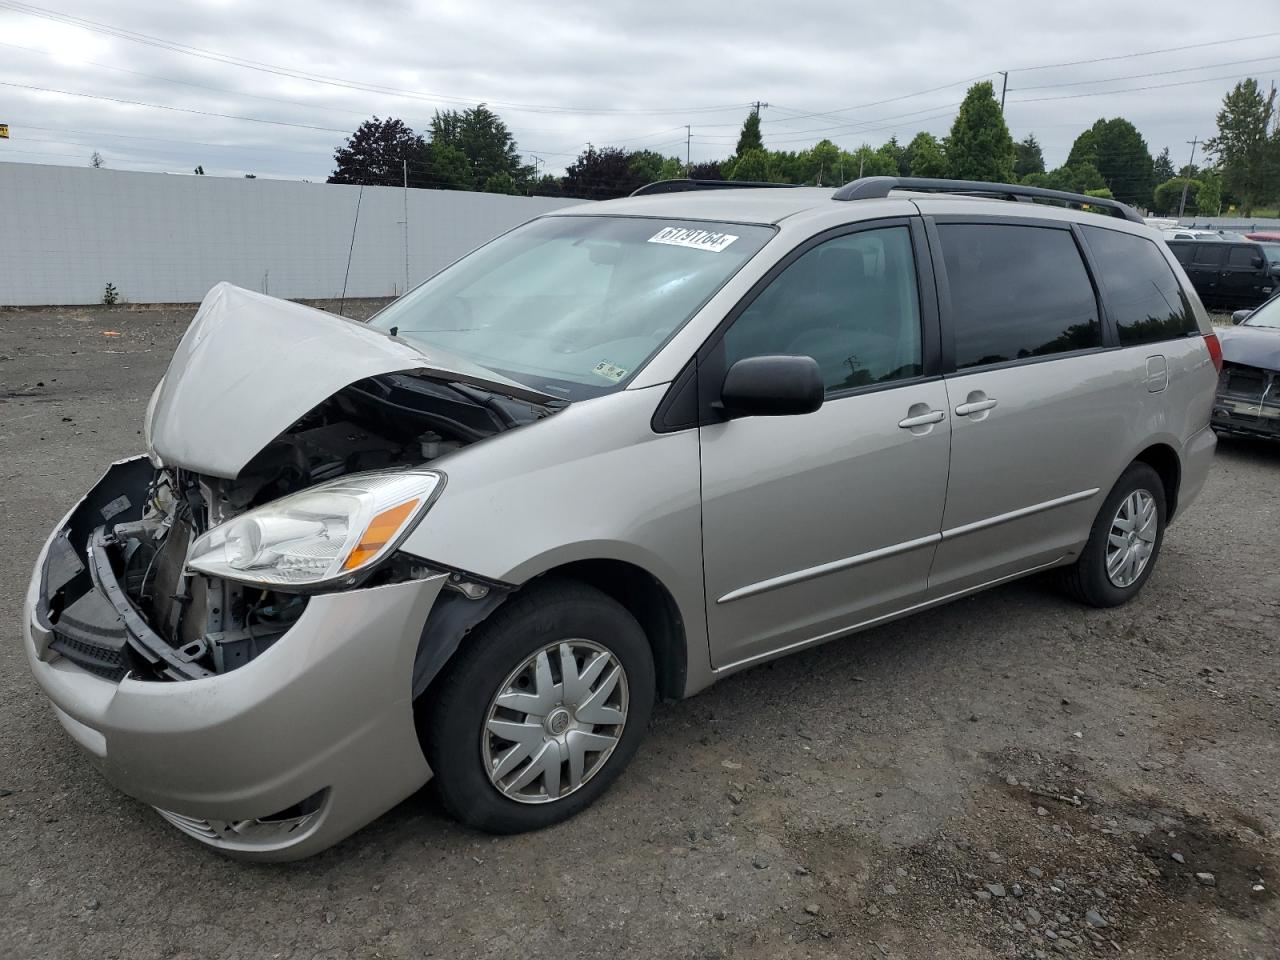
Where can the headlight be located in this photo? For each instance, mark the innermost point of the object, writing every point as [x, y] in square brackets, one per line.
[320, 535]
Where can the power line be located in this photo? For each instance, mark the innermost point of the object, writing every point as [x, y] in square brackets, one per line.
[173, 46]
[1146, 53]
[1153, 86]
[1140, 76]
[161, 106]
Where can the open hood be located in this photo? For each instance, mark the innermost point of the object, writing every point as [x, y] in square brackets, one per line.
[1252, 346]
[250, 365]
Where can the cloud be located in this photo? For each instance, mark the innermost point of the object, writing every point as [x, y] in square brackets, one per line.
[565, 74]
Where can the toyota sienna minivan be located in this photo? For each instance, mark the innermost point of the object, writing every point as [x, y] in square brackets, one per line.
[614, 455]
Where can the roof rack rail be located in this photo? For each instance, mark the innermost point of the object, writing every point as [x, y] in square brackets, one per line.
[685, 186]
[869, 188]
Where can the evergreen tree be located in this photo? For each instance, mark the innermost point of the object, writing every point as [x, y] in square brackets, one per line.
[925, 157]
[1248, 158]
[749, 138]
[1162, 168]
[1028, 158]
[979, 146]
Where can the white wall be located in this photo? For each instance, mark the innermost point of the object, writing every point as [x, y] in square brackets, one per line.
[65, 232]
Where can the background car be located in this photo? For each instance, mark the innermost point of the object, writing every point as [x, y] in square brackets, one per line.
[1249, 386]
[1230, 273]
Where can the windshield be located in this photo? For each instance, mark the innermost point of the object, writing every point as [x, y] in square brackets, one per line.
[570, 305]
[1272, 252]
[1267, 315]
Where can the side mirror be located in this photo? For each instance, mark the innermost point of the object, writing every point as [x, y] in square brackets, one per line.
[1257, 262]
[1240, 316]
[777, 386]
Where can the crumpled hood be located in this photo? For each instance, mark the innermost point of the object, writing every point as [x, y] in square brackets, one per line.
[250, 365]
[1254, 346]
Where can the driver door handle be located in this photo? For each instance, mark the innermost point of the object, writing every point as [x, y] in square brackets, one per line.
[924, 419]
[975, 406]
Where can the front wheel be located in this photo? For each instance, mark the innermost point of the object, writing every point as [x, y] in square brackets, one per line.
[542, 709]
[1124, 541]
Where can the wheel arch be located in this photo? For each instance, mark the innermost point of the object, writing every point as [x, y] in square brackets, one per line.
[1164, 460]
[648, 600]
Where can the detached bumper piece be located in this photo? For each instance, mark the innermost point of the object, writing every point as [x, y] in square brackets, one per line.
[1248, 401]
[291, 823]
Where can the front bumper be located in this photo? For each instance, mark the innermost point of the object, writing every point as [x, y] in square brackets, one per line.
[1246, 417]
[277, 759]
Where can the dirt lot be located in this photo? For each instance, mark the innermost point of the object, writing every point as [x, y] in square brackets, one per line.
[1009, 776]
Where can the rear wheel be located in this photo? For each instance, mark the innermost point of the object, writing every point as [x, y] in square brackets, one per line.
[541, 711]
[1124, 542]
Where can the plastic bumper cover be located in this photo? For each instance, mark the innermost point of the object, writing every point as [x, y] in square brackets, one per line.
[323, 718]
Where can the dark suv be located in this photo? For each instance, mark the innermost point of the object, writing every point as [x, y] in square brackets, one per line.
[1230, 273]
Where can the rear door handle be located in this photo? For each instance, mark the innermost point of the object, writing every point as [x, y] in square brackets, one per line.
[922, 420]
[975, 406]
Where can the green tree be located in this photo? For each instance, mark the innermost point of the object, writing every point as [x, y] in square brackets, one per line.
[979, 146]
[481, 136]
[1118, 152]
[819, 165]
[925, 157]
[898, 153]
[600, 173]
[1028, 157]
[1245, 154]
[646, 165]
[441, 166]
[869, 162]
[749, 138]
[1168, 195]
[1162, 168]
[500, 182]
[1209, 199]
[376, 154]
[752, 165]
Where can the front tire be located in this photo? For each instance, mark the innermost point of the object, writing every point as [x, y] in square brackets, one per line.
[1124, 542]
[541, 710]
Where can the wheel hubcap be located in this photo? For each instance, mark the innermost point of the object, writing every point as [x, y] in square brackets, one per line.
[1132, 538]
[554, 721]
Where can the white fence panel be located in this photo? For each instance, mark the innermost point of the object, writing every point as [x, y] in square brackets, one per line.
[66, 232]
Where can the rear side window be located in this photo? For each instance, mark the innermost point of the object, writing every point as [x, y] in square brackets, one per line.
[1142, 294]
[1182, 251]
[1213, 254]
[1016, 292]
[1241, 256]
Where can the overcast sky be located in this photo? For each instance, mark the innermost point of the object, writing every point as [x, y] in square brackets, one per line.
[562, 74]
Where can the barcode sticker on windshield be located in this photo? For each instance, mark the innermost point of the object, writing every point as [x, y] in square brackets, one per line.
[609, 371]
[697, 239]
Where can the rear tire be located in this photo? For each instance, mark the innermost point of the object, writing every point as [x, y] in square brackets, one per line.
[504, 713]
[1124, 542]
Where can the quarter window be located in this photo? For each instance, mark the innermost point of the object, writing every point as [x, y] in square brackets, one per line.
[1212, 254]
[1142, 293]
[850, 303]
[1182, 251]
[1241, 256]
[1016, 292]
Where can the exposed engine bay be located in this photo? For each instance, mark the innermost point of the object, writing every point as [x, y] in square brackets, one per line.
[210, 625]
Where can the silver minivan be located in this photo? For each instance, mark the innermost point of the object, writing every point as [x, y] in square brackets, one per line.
[608, 458]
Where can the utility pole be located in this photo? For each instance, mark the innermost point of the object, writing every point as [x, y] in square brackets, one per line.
[405, 167]
[758, 105]
[1004, 86]
[688, 141]
[1186, 181]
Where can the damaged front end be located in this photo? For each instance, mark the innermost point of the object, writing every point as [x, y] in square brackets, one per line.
[195, 562]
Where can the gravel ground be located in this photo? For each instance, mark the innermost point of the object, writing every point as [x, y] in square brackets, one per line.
[1008, 776]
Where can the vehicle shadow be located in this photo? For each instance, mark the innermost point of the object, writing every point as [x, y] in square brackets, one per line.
[1249, 450]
